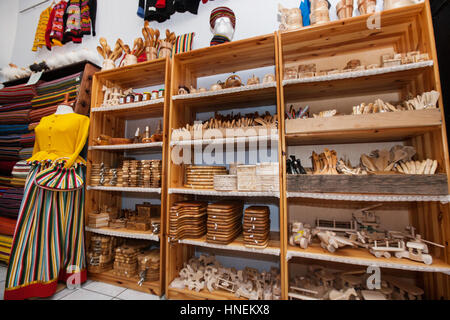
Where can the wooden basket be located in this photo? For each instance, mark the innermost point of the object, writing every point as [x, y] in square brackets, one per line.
[267, 168]
[225, 182]
[268, 182]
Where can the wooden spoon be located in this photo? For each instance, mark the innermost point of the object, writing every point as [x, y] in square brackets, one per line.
[156, 36]
[103, 43]
[101, 52]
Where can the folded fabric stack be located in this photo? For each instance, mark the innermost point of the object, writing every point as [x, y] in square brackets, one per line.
[10, 200]
[59, 84]
[52, 93]
[21, 109]
[7, 227]
[5, 247]
[15, 137]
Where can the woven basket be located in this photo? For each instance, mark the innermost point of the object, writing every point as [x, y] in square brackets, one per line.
[269, 182]
[225, 182]
[267, 168]
[246, 178]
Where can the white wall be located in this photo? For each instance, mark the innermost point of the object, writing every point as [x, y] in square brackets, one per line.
[8, 23]
[117, 18]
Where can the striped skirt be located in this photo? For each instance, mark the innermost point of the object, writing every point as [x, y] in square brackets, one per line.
[48, 242]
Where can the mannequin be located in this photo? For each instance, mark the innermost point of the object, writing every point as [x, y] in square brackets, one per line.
[223, 23]
[64, 108]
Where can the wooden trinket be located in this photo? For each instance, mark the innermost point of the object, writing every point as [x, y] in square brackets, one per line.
[344, 9]
[253, 80]
[233, 81]
[366, 6]
[290, 18]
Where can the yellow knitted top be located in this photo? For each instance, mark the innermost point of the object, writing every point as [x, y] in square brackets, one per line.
[39, 38]
[61, 136]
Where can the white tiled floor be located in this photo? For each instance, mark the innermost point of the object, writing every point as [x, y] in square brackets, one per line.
[91, 290]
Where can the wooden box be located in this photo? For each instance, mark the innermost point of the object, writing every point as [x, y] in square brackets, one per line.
[400, 184]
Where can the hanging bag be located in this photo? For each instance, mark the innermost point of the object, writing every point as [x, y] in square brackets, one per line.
[59, 178]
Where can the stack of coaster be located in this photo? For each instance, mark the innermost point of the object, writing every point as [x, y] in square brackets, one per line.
[125, 263]
[224, 221]
[148, 265]
[256, 226]
[202, 177]
[100, 255]
[187, 219]
[98, 220]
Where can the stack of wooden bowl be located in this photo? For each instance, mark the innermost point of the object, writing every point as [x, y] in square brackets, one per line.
[224, 221]
[100, 255]
[256, 226]
[125, 262]
[187, 219]
[202, 177]
[148, 265]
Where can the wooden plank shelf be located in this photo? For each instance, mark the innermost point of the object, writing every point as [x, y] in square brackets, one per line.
[125, 189]
[211, 192]
[369, 197]
[129, 147]
[186, 294]
[230, 99]
[136, 110]
[363, 257]
[124, 233]
[402, 184]
[138, 75]
[360, 73]
[273, 248]
[218, 141]
[385, 126]
[151, 287]
[349, 34]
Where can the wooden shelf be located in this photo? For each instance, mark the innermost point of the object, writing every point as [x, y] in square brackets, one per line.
[362, 128]
[341, 87]
[129, 147]
[233, 56]
[265, 96]
[151, 287]
[218, 141]
[369, 197]
[351, 34]
[273, 248]
[185, 294]
[125, 189]
[137, 110]
[124, 233]
[394, 184]
[56, 73]
[211, 192]
[363, 257]
[144, 74]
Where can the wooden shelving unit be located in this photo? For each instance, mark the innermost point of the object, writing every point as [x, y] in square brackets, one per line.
[111, 120]
[328, 45]
[187, 68]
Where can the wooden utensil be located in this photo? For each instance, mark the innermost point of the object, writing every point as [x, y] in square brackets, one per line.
[101, 52]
